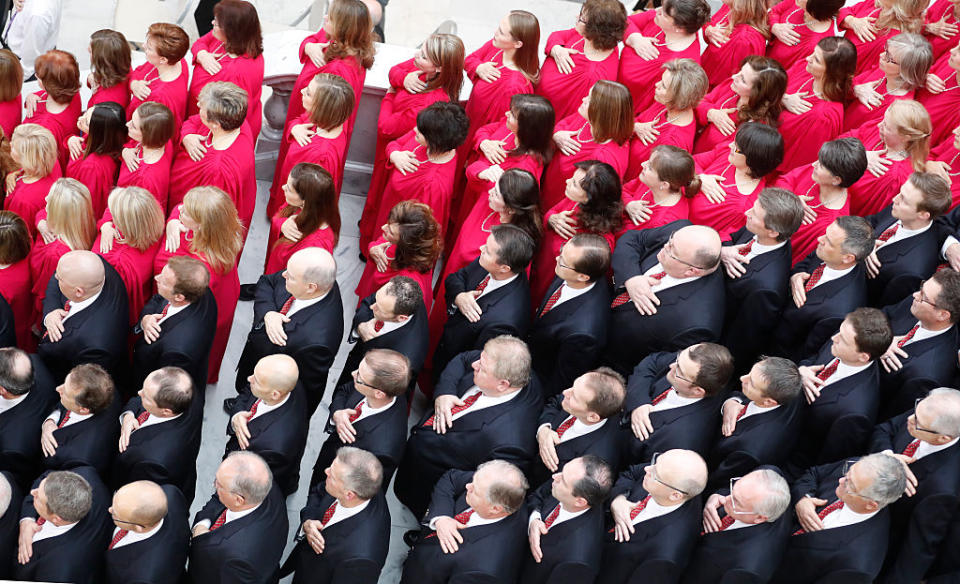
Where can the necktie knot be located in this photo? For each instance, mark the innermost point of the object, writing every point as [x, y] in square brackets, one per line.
[483, 284]
[814, 277]
[911, 448]
[328, 514]
[144, 415]
[221, 519]
[377, 326]
[829, 370]
[566, 425]
[253, 408]
[286, 306]
[888, 233]
[463, 517]
[745, 250]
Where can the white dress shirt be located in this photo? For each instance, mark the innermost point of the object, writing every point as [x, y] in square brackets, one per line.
[758, 249]
[299, 305]
[9, 404]
[830, 274]
[33, 31]
[172, 310]
[902, 233]
[48, 529]
[493, 284]
[76, 307]
[562, 516]
[73, 419]
[482, 402]
[134, 537]
[843, 371]
[653, 510]
[674, 400]
[263, 408]
[568, 293]
[368, 410]
[667, 281]
[845, 516]
[341, 513]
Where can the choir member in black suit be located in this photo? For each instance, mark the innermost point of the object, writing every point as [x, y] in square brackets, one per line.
[488, 297]
[907, 242]
[83, 429]
[756, 262]
[583, 420]
[240, 533]
[486, 407]
[85, 316]
[570, 326]
[297, 312]
[369, 413]
[27, 396]
[177, 325]
[826, 286]
[476, 528]
[345, 526]
[673, 401]
[745, 531]
[151, 537]
[565, 528]
[843, 521]
[668, 292]
[11, 497]
[656, 518]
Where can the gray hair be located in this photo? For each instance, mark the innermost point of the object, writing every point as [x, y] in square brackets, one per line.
[511, 359]
[364, 473]
[915, 55]
[859, 238]
[509, 486]
[946, 403]
[248, 482]
[784, 383]
[889, 478]
[320, 274]
[777, 494]
[69, 495]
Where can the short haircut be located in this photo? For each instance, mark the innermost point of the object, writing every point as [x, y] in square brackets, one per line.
[949, 296]
[14, 238]
[716, 367]
[333, 102]
[689, 83]
[408, 297]
[784, 211]
[364, 473]
[11, 75]
[606, 21]
[845, 158]
[16, 371]
[914, 55]
[508, 487]
[68, 495]
[859, 240]
[596, 482]
[609, 392]
[947, 408]
[36, 147]
[245, 481]
[322, 274]
[516, 247]
[109, 57]
[157, 126]
[783, 379]
[169, 41]
[872, 331]
[192, 277]
[391, 371]
[777, 498]
[511, 359]
[689, 15]
[174, 389]
[95, 390]
[937, 197]
[444, 126]
[225, 104]
[595, 255]
[761, 145]
[59, 73]
[889, 479]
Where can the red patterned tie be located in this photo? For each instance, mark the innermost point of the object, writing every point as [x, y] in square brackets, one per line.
[636, 510]
[41, 520]
[566, 425]
[552, 300]
[829, 370]
[221, 519]
[624, 297]
[63, 421]
[838, 504]
[377, 326]
[483, 284]
[661, 397]
[328, 514]
[356, 412]
[163, 313]
[743, 410]
[253, 408]
[286, 306]
[888, 233]
[911, 448]
[814, 277]
[906, 338]
[117, 537]
[552, 517]
[726, 522]
[464, 517]
[143, 417]
[746, 248]
[457, 409]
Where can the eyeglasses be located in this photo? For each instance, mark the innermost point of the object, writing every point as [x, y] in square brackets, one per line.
[848, 485]
[668, 247]
[888, 57]
[117, 520]
[678, 373]
[580, 19]
[358, 379]
[916, 420]
[923, 298]
[733, 500]
[653, 475]
[563, 265]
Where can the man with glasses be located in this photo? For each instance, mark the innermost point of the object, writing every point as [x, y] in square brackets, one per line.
[673, 400]
[843, 521]
[668, 292]
[925, 441]
[570, 325]
[656, 518]
[923, 353]
[151, 537]
[745, 530]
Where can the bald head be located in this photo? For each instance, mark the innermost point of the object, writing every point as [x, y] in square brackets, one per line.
[683, 469]
[706, 241]
[274, 374]
[142, 502]
[80, 275]
[16, 372]
[244, 480]
[691, 251]
[312, 271]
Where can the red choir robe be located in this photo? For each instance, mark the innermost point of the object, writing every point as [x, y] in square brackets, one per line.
[11, 112]
[867, 52]
[720, 63]
[659, 214]
[490, 100]
[857, 115]
[172, 94]
[62, 125]
[330, 153]
[152, 177]
[787, 12]
[279, 252]
[670, 134]
[727, 216]
[871, 193]
[804, 134]
[16, 287]
[98, 172]
[935, 13]
[119, 93]
[945, 152]
[241, 70]
[135, 268]
[944, 107]
[372, 279]
[566, 91]
[720, 97]
[28, 199]
[43, 263]
[800, 182]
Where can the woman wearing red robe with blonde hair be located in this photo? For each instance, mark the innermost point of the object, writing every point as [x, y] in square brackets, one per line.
[871, 23]
[34, 149]
[737, 30]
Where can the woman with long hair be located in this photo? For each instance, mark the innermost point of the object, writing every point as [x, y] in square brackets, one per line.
[11, 85]
[146, 163]
[165, 77]
[34, 149]
[599, 130]
[871, 23]
[579, 57]
[95, 159]
[942, 26]
[941, 96]
[737, 30]
[661, 193]
[131, 232]
[798, 25]
[15, 283]
[310, 217]
[232, 52]
[57, 105]
[206, 227]
[110, 61]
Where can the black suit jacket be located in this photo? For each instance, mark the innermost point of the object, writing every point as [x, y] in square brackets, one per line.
[92, 442]
[185, 340]
[504, 431]
[20, 426]
[603, 442]
[566, 342]
[313, 336]
[8, 330]
[505, 311]
[688, 313]
[853, 553]
[571, 550]
[354, 550]
[279, 436]
[10, 527]
[802, 331]
[96, 334]
[904, 263]
[489, 553]
[77, 555]
[659, 548]
[244, 551]
[754, 301]
[161, 558]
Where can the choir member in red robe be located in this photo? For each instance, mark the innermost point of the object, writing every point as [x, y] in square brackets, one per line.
[755, 93]
[206, 227]
[945, 161]
[871, 23]
[165, 77]
[34, 149]
[941, 26]
[11, 84]
[733, 176]
[149, 154]
[15, 283]
[217, 150]
[56, 106]
[896, 147]
[409, 246]
[941, 95]
[797, 26]
[671, 120]
[822, 186]
[421, 166]
[813, 105]
[656, 37]
[232, 52]
[662, 191]
[737, 30]
[95, 158]
[579, 57]
[131, 233]
[110, 61]
[310, 217]
[903, 68]
[319, 136]
[599, 130]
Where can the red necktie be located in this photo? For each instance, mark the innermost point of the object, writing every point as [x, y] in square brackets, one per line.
[814, 277]
[117, 537]
[66, 416]
[636, 510]
[377, 326]
[464, 517]
[566, 425]
[743, 410]
[661, 397]
[726, 522]
[41, 520]
[911, 448]
[457, 409]
[328, 514]
[163, 313]
[253, 408]
[829, 370]
[356, 412]
[221, 519]
[552, 300]
[746, 248]
[838, 504]
[888, 233]
[286, 306]
[143, 417]
[483, 284]
[552, 517]
[906, 338]
[624, 297]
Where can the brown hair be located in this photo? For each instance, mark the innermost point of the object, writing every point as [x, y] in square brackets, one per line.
[156, 124]
[764, 102]
[525, 28]
[11, 75]
[609, 392]
[95, 387]
[688, 83]
[610, 112]
[606, 21]
[446, 52]
[14, 238]
[675, 167]
[169, 41]
[690, 15]
[219, 234]
[333, 101]
[418, 236]
[70, 213]
[109, 57]
[937, 197]
[241, 27]
[840, 62]
[750, 12]
[871, 331]
[603, 210]
[319, 193]
[535, 122]
[191, 275]
[391, 370]
[352, 32]
[521, 195]
[60, 75]
[137, 216]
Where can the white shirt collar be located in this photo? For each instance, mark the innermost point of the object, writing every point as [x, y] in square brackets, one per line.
[8, 404]
[73, 419]
[48, 529]
[831, 274]
[369, 410]
[234, 515]
[562, 516]
[264, 408]
[389, 326]
[134, 537]
[654, 510]
[299, 305]
[484, 401]
[341, 513]
[674, 400]
[923, 334]
[568, 293]
[579, 429]
[170, 312]
[926, 448]
[76, 307]
[843, 371]
[845, 516]
[754, 409]
[759, 248]
[667, 281]
[903, 233]
[493, 284]
[151, 419]
[476, 521]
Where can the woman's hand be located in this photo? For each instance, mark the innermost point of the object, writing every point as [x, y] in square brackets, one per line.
[646, 132]
[564, 224]
[193, 144]
[378, 254]
[566, 143]
[290, 230]
[867, 95]
[491, 173]
[934, 84]
[561, 56]
[721, 119]
[140, 89]
[716, 35]
[784, 31]
[644, 46]
[638, 211]
[877, 164]
[174, 229]
[939, 168]
[412, 82]
[44, 230]
[30, 105]
[302, 133]
[795, 103]
[493, 151]
[75, 145]
[107, 234]
[862, 27]
[130, 158]
[405, 161]
[710, 185]
[315, 52]
[942, 28]
[488, 72]
[209, 62]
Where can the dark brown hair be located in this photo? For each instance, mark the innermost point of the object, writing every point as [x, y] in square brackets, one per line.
[418, 236]
[610, 112]
[109, 57]
[535, 121]
[521, 194]
[606, 21]
[352, 32]
[11, 75]
[525, 28]
[156, 124]
[241, 27]
[603, 210]
[840, 61]
[763, 103]
[14, 238]
[319, 193]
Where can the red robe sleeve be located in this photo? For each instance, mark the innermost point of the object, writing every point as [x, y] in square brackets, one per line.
[98, 172]
[11, 112]
[16, 288]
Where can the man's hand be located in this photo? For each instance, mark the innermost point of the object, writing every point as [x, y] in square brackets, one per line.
[312, 531]
[640, 422]
[711, 517]
[345, 429]
[128, 423]
[54, 324]
[873, 265]
[733, 262]
[448, 532]
[906, 461]
[731, 411]
[239, 423]
[151, 327]
[807, 513]
[640, 289]
[47, 442]
[535, 529]
[548, 440]
[811, 383]
[952, 255]
[366, 330]
[28, 529]
[620, 510]
[442, 415]
[891, 358]
[200, 529]
[798, 283]
[273, 323]
[466, 303]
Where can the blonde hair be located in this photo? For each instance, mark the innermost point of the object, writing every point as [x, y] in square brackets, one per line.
[446, 52]
[912, 121]
[689, 83]
[36, 149]
[137, 216]
[903, 15]
[749, 12]
[70, 213]
[219, 233]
